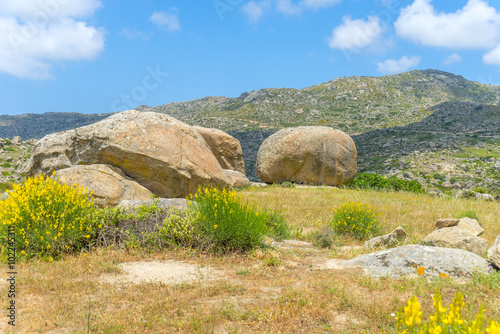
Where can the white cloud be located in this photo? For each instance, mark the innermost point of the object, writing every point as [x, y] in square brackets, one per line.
[475, 26]
[254, 10]
[492, 57]
[318, 4]
[355, 34]
[452, 59]
[167, 20]
[34, 34]
[288, 8]
[391, 66]
[54, 9]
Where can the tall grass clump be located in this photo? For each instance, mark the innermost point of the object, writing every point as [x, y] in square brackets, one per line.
[224, 223]
[444, 320]
[49, 218]
[355, 219]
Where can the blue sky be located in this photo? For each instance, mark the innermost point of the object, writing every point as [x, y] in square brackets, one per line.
[99, 56]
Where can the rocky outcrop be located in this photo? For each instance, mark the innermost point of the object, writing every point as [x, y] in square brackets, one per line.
[416, 259]
[494, 253]
[164, 155]
[308, 154]
[236, 179]
[398, 234]
[464, 235]
[226, 148]
[108, 185]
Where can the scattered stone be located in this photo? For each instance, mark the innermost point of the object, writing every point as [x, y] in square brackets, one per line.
[397, 235]
[236, 179]
[307, 154]
[446, 222]
[161, 153]
[2, 142]
[258, 184]
[109, 186]
[494, 253]
[472, 225]
[226, 148]
[446, 184]
[486, 197]
[16, 140]
[463, 234]
[405, 260]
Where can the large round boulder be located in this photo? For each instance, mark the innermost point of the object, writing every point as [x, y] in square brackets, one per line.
[161, 153]
[308, 154]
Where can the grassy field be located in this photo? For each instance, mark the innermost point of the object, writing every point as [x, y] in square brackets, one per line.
[265, 291]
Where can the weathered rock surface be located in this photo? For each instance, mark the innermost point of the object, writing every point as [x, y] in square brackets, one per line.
[236, 179]
[16, 140]
[397, 235]
[446, 222]
[405, 260]
[307, 154]
[162, 203]
[108, 184]
[164, 155]
[463, 235]
[494, 253]
[226, 148]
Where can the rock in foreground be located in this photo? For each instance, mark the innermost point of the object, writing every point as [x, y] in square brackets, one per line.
[308, 154]
[164, 155]
[109, 186]
[405, 260]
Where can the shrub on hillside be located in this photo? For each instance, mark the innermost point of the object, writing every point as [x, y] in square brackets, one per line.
[355, 219]
[379, 182]
[49, 218]
[444, 320]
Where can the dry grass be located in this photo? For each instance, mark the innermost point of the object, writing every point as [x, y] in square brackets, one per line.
[274, 291]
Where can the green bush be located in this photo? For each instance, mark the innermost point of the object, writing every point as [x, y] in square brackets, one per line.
[379, 182]
[480, 190]
[49, 218]
[5, 173]
[277, 226]
[355, 219]
[322, 238]
[178, 230]
[6, 165]
[224, 223]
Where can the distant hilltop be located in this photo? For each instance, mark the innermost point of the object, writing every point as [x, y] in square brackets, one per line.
[352, 104]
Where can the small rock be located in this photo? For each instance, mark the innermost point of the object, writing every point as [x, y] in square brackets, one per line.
[236, 179]
[494, 253]
[446, 222]
[16, 140]
[397, 235]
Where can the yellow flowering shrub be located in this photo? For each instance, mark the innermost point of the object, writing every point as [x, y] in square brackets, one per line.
[224, 223]
[49, 218]
[443, 320]
[355, 219]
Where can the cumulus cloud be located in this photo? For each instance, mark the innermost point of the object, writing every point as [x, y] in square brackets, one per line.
[391, 66]
[254, 10]
[475, 26]
[166, 20]
[355, 34]
[452, 59]
[492, 57]
[34, 34]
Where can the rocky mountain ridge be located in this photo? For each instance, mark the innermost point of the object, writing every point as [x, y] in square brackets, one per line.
[433, 126]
